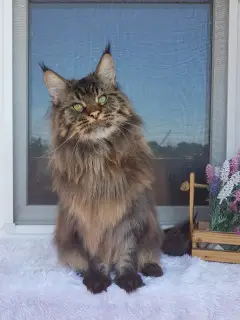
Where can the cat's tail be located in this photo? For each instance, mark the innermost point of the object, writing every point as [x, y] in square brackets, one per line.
[177, 240]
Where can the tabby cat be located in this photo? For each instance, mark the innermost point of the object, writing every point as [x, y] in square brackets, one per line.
[102, 172]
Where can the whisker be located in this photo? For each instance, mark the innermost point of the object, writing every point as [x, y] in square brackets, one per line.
[126, 129]
[75, 146]
[115, 126]
[131, 124]
[51, 152]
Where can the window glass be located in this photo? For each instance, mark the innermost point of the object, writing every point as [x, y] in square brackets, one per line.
[162, 53]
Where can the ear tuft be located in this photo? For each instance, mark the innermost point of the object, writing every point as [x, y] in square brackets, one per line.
[43, 66]
[55, 84]
[107, 48]
[105, 69]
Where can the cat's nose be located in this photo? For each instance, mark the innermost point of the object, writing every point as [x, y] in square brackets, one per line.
[95, 114]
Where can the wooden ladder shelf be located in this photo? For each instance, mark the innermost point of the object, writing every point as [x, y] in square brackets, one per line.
[199, 236]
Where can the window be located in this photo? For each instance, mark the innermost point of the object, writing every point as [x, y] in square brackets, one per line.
[171, 60]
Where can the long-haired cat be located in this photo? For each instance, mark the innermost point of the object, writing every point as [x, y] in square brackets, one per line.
[102, 171]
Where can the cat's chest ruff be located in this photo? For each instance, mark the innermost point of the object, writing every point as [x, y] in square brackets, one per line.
[104, 167]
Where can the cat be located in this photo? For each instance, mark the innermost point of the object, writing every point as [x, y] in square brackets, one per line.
[102, 171]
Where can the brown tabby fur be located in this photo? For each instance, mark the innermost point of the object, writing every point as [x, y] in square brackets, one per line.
[102, 172]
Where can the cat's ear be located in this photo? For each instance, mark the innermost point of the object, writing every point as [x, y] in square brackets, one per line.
[105, 69]
[56, 85]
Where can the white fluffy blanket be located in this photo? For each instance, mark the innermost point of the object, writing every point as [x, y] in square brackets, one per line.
[34, 287]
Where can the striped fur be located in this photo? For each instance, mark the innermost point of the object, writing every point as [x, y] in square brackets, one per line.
[102, 172]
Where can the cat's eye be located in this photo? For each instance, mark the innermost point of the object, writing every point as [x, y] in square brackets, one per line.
[78, 107]
[102, 100]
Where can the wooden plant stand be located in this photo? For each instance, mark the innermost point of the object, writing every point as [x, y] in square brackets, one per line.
[200, 235]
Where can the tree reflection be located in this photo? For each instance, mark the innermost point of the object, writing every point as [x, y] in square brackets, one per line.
[172, 166]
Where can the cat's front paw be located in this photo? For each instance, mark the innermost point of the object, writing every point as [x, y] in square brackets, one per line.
[129, 282]
[152, 270]
[96, 282]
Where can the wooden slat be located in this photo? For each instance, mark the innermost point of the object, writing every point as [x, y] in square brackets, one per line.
[191, 201]
[217, 255]
[215, 237]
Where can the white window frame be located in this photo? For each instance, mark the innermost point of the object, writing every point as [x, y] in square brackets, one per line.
[7, 225]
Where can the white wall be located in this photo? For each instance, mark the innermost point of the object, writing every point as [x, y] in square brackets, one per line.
[1, 109]
[6, 147]
[233, 112]
[237, 126]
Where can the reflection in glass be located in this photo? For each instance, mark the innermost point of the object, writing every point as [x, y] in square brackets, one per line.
[162, 54]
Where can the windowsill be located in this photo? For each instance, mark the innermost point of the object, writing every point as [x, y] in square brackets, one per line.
[32, 231]
[12, 230]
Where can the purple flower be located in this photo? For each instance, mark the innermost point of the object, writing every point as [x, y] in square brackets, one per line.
[238, 154]
[233, 206]
[237, 195]
[214, 186]
[210, 173]
[234, 164]
[236, 230]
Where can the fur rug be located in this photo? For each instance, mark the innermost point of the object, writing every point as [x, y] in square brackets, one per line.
[34, 287]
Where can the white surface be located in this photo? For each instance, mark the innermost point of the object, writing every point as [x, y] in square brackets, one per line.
[34, 287]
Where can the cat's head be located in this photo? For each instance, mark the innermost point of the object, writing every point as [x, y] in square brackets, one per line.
[93, 107]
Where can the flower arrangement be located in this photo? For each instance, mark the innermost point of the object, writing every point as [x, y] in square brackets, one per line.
[224, 196]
